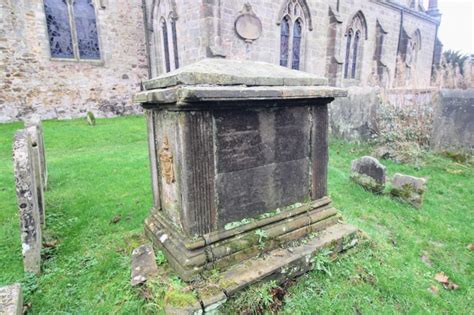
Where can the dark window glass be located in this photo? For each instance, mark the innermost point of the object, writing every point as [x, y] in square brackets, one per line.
[296, 45]
[166, 46]
[86, 29]
[175, 44]
[354, 56]
[348, 53]
[284, 42]
[59, 29]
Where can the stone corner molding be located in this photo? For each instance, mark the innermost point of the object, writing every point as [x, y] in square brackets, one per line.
[247, 25]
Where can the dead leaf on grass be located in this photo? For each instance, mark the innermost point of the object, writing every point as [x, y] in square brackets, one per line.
[444, 280]
[433, 289]
[116, 219]
[441, 278]
[470, 246]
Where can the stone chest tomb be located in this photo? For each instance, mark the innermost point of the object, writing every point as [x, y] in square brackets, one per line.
[239, 155]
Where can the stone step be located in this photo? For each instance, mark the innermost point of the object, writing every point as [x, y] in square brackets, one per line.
[279, 265]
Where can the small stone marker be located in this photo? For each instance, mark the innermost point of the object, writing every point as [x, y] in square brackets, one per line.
[409, 189]
[34, 134]
[27, 202]
[369, 173]
[143, 264]
[11, 300]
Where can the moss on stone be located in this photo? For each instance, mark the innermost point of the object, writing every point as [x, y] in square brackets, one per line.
[178, 298]
[367, 182]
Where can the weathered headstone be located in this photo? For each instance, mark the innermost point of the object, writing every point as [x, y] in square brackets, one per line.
[369, 173]
[11, 300]
[36, 122]
[26, 192]
[34, 134]
[239, 153]
[143, 264]
[409, 189]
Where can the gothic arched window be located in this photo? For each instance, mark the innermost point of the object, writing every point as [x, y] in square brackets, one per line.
[284, 41]
[294, 15]
[80, 42]
[297, 30]
[166, 48]
[354, 46]
[165, 39]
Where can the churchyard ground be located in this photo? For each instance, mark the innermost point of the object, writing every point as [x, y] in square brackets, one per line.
[99, 194]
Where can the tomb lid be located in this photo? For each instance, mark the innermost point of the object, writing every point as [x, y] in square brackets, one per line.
[226, 72]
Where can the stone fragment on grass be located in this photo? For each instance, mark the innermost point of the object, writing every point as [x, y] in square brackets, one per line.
[409, 189]
[143, 264]
[11, 300]
[369, 173]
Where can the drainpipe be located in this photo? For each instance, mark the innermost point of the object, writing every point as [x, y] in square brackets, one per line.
[147, 38]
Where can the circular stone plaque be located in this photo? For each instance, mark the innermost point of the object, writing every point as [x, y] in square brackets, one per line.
[248, 26]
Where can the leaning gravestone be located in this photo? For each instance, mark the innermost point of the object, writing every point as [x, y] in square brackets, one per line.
[26, 192]
[36, 122]
[144, 265]
[369, 173]
[34, 134]
[239, 154]
[408, 188]
[11, 300]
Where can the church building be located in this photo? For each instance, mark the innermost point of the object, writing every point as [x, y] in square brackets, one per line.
[62, 58]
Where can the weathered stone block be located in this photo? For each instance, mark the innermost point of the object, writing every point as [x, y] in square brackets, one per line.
[143, 264]
[409, 189]
[26, 192]
[369, 173]
[11, 300]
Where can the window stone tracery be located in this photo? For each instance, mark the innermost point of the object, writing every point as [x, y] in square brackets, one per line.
[72, 29]
[356, 33]
[292, 29]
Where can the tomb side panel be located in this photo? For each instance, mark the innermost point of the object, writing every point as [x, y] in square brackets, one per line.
[262, 160]
[319, 151]
[199, 208]
[167, 128]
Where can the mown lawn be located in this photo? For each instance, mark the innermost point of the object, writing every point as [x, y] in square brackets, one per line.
[99, 173]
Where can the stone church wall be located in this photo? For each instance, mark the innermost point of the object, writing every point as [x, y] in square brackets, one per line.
[34, 83]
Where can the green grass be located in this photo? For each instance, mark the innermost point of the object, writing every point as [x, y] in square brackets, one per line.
[96, 173]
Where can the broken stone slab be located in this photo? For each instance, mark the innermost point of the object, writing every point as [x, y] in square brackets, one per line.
[11, 300]
[409, 189]
[369, 173]
[144, 264]
[34, 134]
[39, 139]
[27, 200]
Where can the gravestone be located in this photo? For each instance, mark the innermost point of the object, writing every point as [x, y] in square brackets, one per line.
[27, 199]
[409, 189]
[11, 300]
[369, 173]
[34, 134]
[36, 122]
[238, 155]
